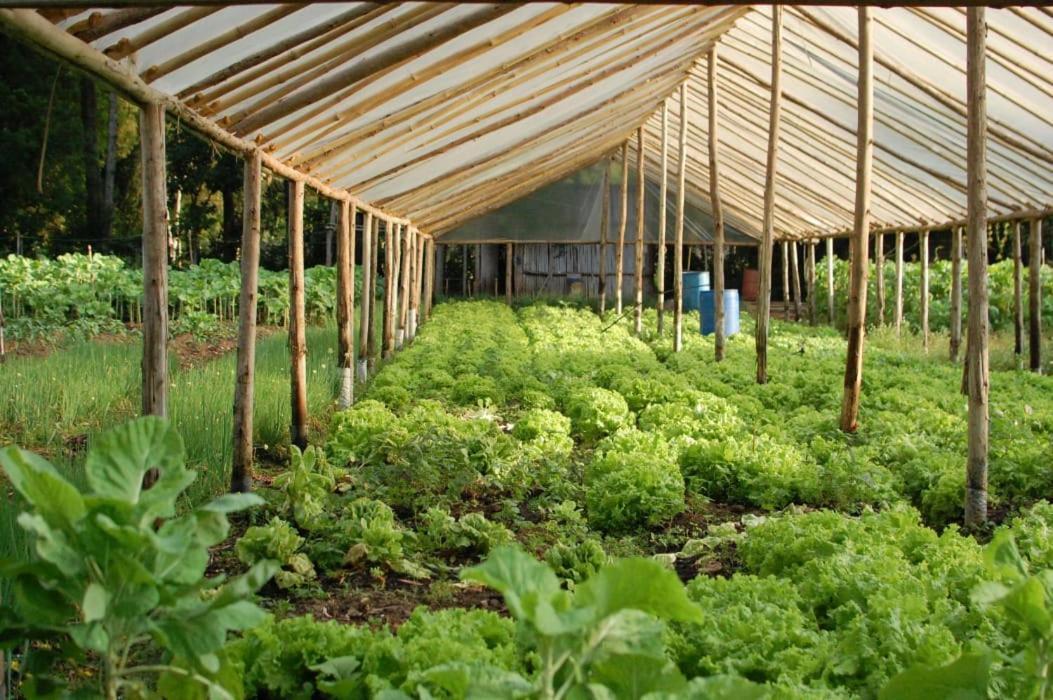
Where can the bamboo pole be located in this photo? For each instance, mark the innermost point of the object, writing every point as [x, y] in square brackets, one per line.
[1018, 293]
[374, 266]
[879, 273]
[663, 196]
[830, 280]
[923, 253]
[508, 273]
[813, 305]
[619, 252]
[956, 293]
[857, 298]
[241, 471]
[345, 302]
[155, 262]
[795, 278]
[977, 369]
[786, 289]
[605, 223]
[1034, 298]
[899, 283]
[429, 277]
[678, 250]
[390, 274]
[639, 249]
[297, 322]
[418, 283]
[715, 205]
[405, 275]
[368, 293]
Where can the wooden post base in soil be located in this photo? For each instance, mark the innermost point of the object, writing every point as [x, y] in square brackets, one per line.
[297, 323]
[977, 371]
[155, 264]
[241, 472]
[345, 302]
[1034, 300]
[368, 294]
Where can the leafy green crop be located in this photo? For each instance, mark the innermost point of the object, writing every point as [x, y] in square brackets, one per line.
[277, 541]
[117, 573]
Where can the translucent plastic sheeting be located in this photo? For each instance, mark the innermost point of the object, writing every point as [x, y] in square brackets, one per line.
[571, 211]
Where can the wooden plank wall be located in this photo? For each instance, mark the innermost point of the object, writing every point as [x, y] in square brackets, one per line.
[543, 268]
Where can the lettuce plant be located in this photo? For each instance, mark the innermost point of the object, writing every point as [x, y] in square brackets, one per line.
[116, 572]
[279, 542]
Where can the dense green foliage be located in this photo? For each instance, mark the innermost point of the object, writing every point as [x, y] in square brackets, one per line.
[97, 293]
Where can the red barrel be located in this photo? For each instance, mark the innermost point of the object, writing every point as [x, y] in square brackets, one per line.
[750, 284]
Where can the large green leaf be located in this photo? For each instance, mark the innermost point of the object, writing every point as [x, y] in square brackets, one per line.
[963, 679]
[119, 458]
[36, 479]
[519, 577]
[634, 676]
[637, 584]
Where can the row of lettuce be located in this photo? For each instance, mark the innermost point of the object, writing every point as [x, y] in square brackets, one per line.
[500, 436]
[91, 294]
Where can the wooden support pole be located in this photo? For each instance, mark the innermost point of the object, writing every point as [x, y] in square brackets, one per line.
[678, 231]
[241, 472]
[830, 299]
[795, 278]
[155, 262]
[923, 302]
[1034, 297]
[464, 271]
[956, 293]
[715, 205]
[374, 276]
[860, 247]
[390, 279]
[418, 280]
[899, 283]
[663, 196]
[1018, 292]
[619, 252]
[368, 294]
[605, 224]
[813, 305]
[429, 277]
[297, 322]
[879, 272]
[977, 371]
[641, 182]
[768, 226]
[508, 273]
[787, 292]
[345, 302]
[405, 277]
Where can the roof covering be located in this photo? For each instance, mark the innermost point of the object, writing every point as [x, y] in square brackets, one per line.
[441, 112]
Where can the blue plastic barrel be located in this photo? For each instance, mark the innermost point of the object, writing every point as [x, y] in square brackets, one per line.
[694, 282]
[708, 312]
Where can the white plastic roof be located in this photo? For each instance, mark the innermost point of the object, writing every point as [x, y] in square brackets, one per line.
[440, 112]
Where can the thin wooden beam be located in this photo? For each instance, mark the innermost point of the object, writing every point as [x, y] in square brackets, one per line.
[297, 322]
[405, 276]
[508, 273]
[768, 226]
[390, 275]
[786, 287]
[129, 45]
[716, 208]
[368, 294]
[857, 297]
[678, 249]
[956, 294]
[345, 302]
[1018, 293]
[619, 252]
[429, 276]
[98, 25]
[923, 302]
[663, 197]
[830, 299]
[155, 261]
[641, 184]
[605, 223]
[795, 279]
[241, 471]
[418, 283]
[1034, 300]
[977, 369]
[879, 273]
[899, 283]
[813, 305]
[373, 230]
